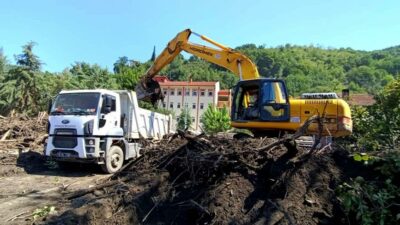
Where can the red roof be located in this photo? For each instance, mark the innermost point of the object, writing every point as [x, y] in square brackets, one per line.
[224, 92]
[360, 99]
[164, 81]
[161, 79]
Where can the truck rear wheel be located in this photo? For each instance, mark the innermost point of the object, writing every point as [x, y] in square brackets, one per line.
[114, 160]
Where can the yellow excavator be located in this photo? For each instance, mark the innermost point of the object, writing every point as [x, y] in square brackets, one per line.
[261, 105]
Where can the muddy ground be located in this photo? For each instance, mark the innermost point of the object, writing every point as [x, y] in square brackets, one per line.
[181, 180]
[27, 181]
[218, 181]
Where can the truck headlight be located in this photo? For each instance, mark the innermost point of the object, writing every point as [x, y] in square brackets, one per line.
[90, 142]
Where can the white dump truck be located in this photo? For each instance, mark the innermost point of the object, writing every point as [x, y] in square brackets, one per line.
[101, 126]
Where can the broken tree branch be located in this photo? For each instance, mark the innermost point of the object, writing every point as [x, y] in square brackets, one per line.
[301, 131]
[5, 135]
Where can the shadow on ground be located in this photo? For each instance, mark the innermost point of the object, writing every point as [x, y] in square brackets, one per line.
[35, 163]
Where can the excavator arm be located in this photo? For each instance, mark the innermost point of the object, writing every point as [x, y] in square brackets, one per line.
[236, 62]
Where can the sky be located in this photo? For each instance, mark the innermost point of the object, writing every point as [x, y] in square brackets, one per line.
[101, 31]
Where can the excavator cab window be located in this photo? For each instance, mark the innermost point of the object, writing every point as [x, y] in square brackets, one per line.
[246, 105]
[260, 100]
[274, 101]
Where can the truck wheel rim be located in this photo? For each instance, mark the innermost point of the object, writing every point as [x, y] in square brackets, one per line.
[115, 161]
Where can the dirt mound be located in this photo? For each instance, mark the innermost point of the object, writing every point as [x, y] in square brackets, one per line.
[21, 144]
[200, 180]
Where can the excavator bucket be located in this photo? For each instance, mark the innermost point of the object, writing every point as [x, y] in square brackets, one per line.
[149, 91]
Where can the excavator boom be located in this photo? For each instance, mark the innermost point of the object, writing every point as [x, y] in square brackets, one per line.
[236, 62]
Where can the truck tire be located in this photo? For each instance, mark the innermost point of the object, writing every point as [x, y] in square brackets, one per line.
[114, 160]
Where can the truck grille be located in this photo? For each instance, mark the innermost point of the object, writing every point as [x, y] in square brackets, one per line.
[65, 138]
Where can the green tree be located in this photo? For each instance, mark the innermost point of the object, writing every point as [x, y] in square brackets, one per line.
[153, 56]
[3, 63]
[19, 89]
[378, 126]
[368, 78]
[93, 76]
[215, 120]
[184, 119]
[128, 77]
[121, 63]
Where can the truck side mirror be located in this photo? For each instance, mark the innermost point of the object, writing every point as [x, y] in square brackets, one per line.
[106, 108]
[50, 104]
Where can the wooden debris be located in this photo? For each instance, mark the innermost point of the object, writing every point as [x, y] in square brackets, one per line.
[5, 135]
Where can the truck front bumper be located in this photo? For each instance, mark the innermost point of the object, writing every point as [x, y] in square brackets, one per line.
[85, 148]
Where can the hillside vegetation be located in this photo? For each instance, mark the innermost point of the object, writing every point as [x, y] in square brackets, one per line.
[25, 87]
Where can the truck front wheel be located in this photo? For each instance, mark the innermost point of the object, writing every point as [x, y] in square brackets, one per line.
[114, 160]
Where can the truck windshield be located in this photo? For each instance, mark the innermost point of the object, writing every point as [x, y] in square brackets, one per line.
[75, 104]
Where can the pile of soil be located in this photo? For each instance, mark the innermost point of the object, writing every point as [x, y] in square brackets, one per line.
[216, 180]
[21, 144]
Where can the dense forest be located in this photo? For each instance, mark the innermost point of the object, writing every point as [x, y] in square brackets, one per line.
[25, 87]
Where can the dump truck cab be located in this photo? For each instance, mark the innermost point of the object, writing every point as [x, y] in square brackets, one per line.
[101, 126]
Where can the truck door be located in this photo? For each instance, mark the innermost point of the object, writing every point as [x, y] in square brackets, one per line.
[109, 117]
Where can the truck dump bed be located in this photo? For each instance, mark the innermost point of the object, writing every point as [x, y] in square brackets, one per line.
[138, 122]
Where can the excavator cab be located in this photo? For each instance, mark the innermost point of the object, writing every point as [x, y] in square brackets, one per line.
[260, 100]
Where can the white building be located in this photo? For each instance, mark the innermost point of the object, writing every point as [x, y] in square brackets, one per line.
[195, 95]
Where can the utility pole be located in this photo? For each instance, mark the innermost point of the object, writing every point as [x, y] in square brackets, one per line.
[186, 106]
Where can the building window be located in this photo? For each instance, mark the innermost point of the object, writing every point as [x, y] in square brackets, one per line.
[187, 93]
[165, 93]
[179, 92]
[178, 106]
[192, 119]
[172, 92]
[171, 105]
[186, 105]
[164, 105]
[194, 93]
[210, 93]
[194, 106]
[202, 93]
[201, 105]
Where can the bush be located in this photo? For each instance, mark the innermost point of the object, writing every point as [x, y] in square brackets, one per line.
[374, 201]
[215, 120]
[377, 131]
[184, 120]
